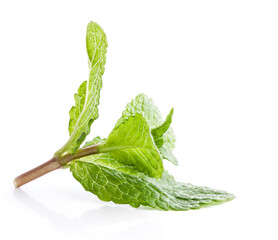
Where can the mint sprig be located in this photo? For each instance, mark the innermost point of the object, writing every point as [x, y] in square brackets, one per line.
[127, 166]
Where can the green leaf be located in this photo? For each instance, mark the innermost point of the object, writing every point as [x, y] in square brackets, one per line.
[159, 131]
[144, 105]
[75, 111]
[131, 143]
[122, 188]
[165, 139]
[85, 111]
[95, 141]
[107, 160]
[167, 154]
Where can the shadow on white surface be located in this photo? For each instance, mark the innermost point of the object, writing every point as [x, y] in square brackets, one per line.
[100, 222]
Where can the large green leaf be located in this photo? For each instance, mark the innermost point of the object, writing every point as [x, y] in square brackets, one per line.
[131, 143]
[110, 184]
[85, 111]
[144, 105]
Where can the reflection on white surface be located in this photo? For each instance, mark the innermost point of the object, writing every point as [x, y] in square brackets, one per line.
[96, 222]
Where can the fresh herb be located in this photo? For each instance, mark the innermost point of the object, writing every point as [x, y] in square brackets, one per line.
[127, 166]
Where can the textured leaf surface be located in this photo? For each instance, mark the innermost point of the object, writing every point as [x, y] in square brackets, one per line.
[122, 188]
[107, 160]
[144, 105]
[159, 131]
[95, 141]
[85, 111]
[131, 143]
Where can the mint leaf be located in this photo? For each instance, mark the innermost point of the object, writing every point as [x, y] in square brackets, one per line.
[165, 139]
[167, 154]
[159, 131]
[144, 105]
[85, 111]
[107, 160]
[167, 194]
[131, 143]
[75, 111]
[95, 141]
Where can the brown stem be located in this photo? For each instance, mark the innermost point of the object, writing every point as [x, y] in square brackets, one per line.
[29, 176]
[53, 164]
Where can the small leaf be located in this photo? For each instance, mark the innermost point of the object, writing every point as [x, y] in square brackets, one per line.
[165, 153]
[131, 143]
[95, 141]
[144, 105]
[159, 131]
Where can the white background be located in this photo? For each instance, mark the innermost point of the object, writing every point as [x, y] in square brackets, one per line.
[215, 62]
